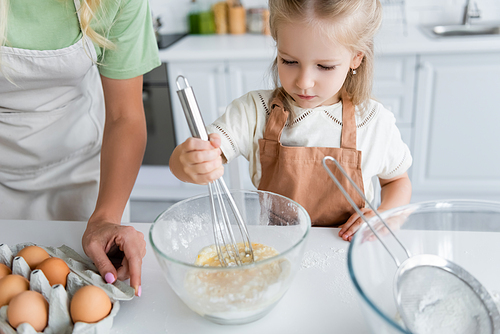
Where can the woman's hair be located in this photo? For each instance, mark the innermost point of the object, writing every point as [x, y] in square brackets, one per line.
[352, 23]
[88, 11]
[4, 10]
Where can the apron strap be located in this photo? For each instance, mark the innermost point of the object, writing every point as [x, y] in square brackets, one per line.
[89, 45]
[348, 139]
[77, 6]
[276, 121]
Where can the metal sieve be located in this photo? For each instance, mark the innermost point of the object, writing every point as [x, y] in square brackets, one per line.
[433, 295]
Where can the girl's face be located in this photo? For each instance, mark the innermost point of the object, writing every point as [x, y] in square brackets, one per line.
[311, 67]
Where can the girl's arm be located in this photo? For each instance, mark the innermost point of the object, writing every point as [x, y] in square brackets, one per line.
[395, 192]
[123, 146]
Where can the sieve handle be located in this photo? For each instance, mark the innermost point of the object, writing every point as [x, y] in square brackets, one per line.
[191, 109]
[358, 211]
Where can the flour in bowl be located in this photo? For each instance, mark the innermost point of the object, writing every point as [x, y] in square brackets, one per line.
[449, 310]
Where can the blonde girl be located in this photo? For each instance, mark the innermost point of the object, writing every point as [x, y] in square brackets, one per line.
[321, 106]
[72, 127]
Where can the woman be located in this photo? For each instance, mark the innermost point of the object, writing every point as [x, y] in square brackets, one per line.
[72, 127]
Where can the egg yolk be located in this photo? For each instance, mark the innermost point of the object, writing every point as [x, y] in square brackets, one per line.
[208, 256]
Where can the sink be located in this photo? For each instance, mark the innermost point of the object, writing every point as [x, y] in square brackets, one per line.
[463, 30]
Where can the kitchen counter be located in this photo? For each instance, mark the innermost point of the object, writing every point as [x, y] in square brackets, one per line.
[389, 41]
[320, 300]
[217, 47]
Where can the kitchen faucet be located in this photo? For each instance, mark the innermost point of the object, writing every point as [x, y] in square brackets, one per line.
[470, 13]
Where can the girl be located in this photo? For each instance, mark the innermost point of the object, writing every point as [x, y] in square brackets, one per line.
[321, 106]
[66, 66]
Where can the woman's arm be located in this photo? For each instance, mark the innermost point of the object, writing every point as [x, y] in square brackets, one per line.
[123, 146]
[395, 192]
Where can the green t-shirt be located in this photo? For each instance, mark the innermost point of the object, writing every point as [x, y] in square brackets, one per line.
[53, 24]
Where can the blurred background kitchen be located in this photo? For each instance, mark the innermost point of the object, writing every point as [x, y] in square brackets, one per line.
[442, 86]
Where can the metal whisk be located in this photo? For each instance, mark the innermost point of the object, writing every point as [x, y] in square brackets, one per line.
[220, 197]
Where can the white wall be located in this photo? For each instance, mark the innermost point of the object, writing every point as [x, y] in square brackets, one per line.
[173, 13]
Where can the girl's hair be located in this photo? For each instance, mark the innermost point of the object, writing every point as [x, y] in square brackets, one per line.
[352, 23]
[87, 12]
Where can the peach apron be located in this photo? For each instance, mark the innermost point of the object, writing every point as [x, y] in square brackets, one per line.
[298, 173]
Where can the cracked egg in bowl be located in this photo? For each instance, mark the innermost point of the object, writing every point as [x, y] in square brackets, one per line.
[182, 238]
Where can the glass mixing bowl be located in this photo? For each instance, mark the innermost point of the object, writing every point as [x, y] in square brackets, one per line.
[235, 294]
[462, 231]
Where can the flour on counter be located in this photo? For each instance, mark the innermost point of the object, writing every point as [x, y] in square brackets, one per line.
[334, 260]
[322, 261]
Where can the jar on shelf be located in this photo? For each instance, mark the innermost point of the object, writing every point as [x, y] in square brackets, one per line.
[237, 20]
[220, 10]
[201, 17]
[255, 20]
[194, 17]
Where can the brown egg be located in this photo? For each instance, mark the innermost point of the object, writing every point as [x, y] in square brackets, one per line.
[90, 304]
[11, 286]
[55, 269]
[4, 270]
[30, 307]
[33, 255]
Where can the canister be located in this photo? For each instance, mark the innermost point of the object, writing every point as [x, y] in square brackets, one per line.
[237, 20]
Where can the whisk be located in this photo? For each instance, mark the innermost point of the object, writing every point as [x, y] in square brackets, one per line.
[220, 198]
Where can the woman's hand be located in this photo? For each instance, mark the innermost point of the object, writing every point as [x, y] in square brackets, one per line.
[198, 161]
[116, 250]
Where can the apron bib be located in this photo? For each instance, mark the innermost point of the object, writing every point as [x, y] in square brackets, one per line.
[51, 125]
[298, 173]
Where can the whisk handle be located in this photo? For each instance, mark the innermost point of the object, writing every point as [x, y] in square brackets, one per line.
[191, 109]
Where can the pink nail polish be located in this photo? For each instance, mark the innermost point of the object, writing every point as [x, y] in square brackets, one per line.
[109, 278]
[139, 291]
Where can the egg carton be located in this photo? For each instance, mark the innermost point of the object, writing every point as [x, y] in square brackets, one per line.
[82, 272]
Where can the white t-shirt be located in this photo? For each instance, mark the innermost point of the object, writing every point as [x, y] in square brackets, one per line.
[383, 152]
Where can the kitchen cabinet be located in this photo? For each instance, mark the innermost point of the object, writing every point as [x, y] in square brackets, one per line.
[393, 86]
[457, 116]
[215, 85]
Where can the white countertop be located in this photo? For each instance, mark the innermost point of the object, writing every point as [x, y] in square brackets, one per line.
[217, 47]
[321, 299]
[393, 41]
[389, 41]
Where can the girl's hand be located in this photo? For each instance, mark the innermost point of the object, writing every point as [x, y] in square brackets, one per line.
[353, 224]
[394, 192]
[116, 251]
[198, 161]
